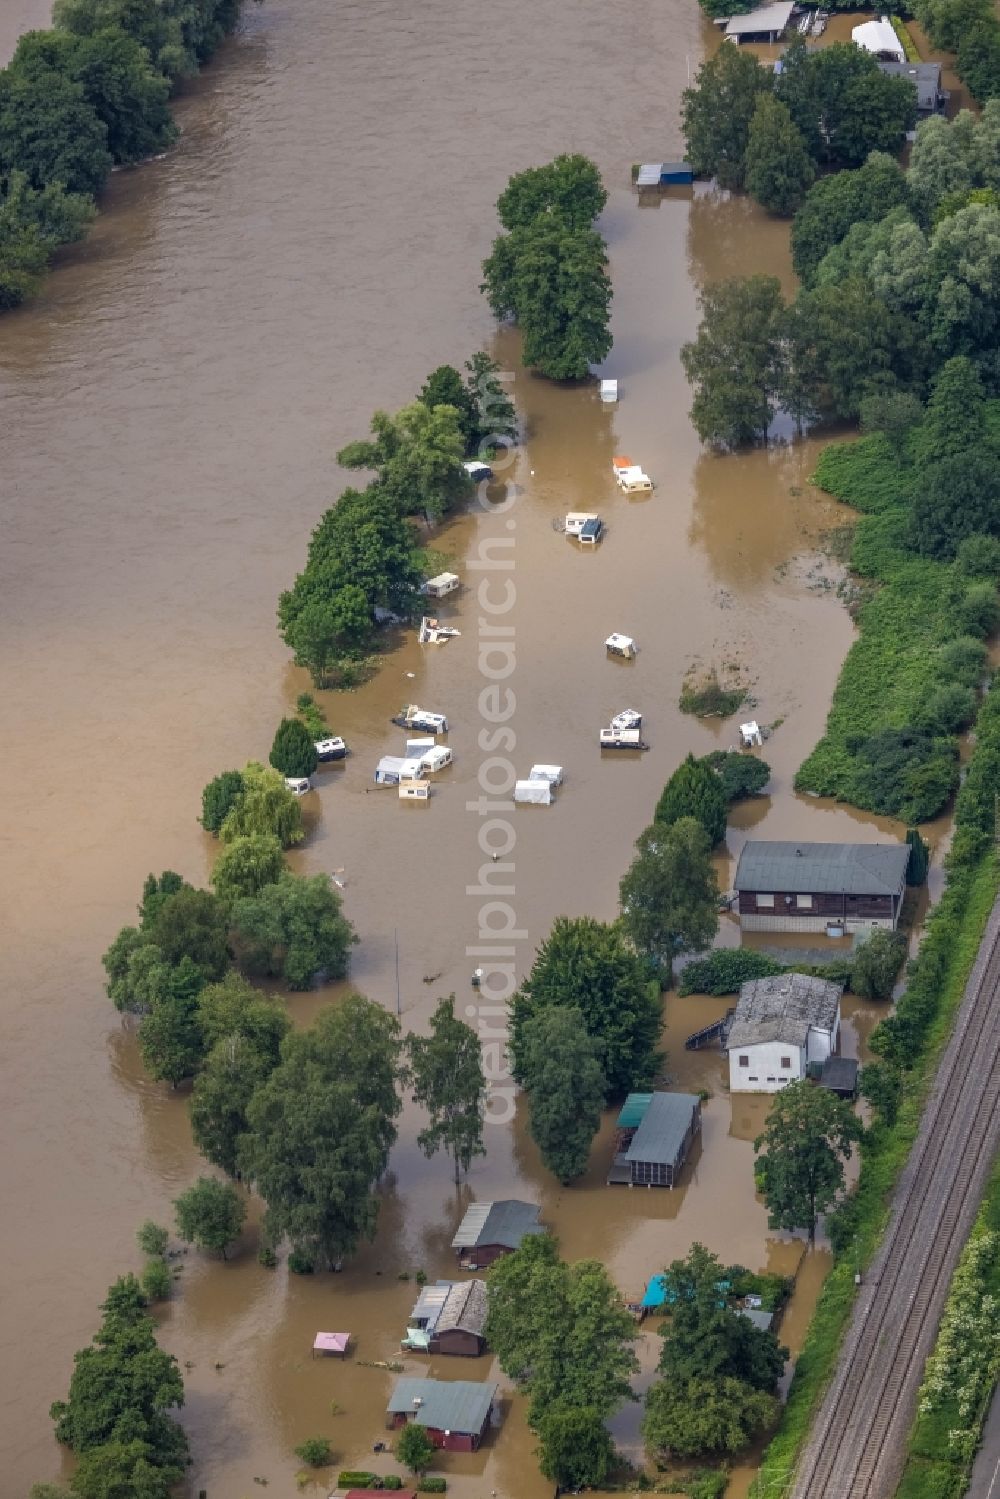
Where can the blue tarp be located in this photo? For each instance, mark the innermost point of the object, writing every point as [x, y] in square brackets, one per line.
[658, 1293]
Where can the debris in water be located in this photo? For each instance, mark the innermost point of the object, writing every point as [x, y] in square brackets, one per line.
[432, 978]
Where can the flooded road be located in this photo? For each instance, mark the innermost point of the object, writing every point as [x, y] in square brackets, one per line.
[171, 408]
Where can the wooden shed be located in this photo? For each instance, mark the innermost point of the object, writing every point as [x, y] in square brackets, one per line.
[492, 1229]
[804, 887]
[455, 1413]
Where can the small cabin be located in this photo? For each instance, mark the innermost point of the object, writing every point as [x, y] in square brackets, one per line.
[766, 24]
[628, 718]
[442, 585]
[653, 1137]
[414, 791]
[456, 1414]
[622, 739]
[620, 645]
[490, 1230]
[665, 174]
[750, 735]
[392, 769]
[449, 1317]
[538, 793]
[330, 749]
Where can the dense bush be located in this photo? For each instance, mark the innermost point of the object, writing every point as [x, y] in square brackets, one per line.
[724, 970]
[741, 775]
[877, 963]
[694, 790]
[315, 1452]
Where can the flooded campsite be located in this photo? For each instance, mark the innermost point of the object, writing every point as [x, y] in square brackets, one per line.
[173, 402]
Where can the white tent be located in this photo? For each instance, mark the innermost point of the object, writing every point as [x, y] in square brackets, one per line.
[879, 38]
[539, 792]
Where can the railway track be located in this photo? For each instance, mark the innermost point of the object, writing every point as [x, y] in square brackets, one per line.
[856, 1449]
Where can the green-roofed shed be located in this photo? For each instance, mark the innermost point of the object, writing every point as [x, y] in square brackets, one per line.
[633, 1110]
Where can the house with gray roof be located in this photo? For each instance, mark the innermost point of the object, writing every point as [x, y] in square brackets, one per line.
[455, 1413]
[449, 1317]
[653, 1137]
[780, 1026]
[926, 79]
[492, 1229]
[808, 887]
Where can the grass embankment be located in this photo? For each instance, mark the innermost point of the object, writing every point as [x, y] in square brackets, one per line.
[913, 649]
[909, 46]
[883, 675]
[962, 1371]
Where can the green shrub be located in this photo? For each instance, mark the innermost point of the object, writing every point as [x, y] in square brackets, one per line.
[218, 799]
[300, 1263]
[267, 1257]
[876, 964]
[431, 1485]
[962, 660]
[979, 557]
[978, 613]
[391, 1481]
[709, 699]
[312, 715]
[152, 1238]
[293, 752]
[156, 1279]
[351, 1478]
[741, 775]
[948, 710]
[314, 1452]
[919, 860]
[724, 970]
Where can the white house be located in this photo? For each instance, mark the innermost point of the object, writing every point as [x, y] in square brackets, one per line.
[781, 1025]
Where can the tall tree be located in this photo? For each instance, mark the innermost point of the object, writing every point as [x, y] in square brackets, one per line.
[569, 189]
[575, 1449]
[836, 202]
[320, 1129]
[736, 363]
[265, 806]
[49, 132]
[842, 349]
[246, 865]
[293, 751]
[170, 1037]
[496, 417]
[705, 1338]
[801, 1153]
[588, 965]
[954, 499]
[702, 1416]
[843, 104]
[218, 798]
[717, 111]
[954, 423]
[235, 1008]
[444, 386]
[153, 25]
[778, 168]
[191, 924]
[562, 1331]
[669, 895]
[562, 1075]
[417, 458]
[448, 1082]
[233, 1071]
[210, 1214]
[553, 280]
[694, 790]
[293, 929]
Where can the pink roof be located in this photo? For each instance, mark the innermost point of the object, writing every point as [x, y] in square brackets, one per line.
[331, 1342]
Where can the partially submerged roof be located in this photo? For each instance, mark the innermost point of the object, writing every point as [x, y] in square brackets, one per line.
[665, 1122]
[505, 1223]
[822, 868]
[783, 1008]
[452, 1305]
[446, 1405]
[767, 18]
[925, 77]
[757, 1316]
[878, 36]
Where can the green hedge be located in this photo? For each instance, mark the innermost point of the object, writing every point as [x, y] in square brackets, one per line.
[723, 970]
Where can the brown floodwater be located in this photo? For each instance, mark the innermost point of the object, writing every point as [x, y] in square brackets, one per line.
[172, 405]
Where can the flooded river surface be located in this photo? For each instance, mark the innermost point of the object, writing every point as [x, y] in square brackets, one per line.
[171, 410]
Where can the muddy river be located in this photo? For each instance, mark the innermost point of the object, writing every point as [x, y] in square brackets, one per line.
[171, 408]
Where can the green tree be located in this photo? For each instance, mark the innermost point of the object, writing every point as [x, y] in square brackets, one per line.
[233, 1070]
[962, 306]
[33, 223]
[235, 1008]
[741, 775]
[417, 458]
[293, 929]
[717, 111]
[152, 1238]
[448, 1081]
[565, 1083]
[496, 418]
[978, 63]
[569, 189]
[705, 1339]
[893, 413]
[414, 1448]
[801, 1154]
[705, 1416]
[843, 343]
[669, 895]
[218, 799]
[553, 280]
[575, 1448]
[836, 202]
[246, 865]
[843, 104]
[942, 161]
[124, 1470]
[954, 423]
[293, 752]
[320, 1129]
[877, 963]
[588, 965]
[170, 1037]
[210, 1214]
[736, 363]
[49, 132]
[953, 499]
[562, 1331]
[445, 387]
[156, 891]
[156, 1280]
[265, 806]
[315, 1452]
[694, 790]
[137, 973]
[881, 1085]
[191, 924]
[778, 168]
[946, 21]
[919, 860]
[153, 25]
[122, 1388]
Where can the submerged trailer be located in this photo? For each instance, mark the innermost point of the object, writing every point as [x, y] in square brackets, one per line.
[333, 748]
[551, 773]
[412, 717]
[392, 769]
[538, 792]
[622, 739]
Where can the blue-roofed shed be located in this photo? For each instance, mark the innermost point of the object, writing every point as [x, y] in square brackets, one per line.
[633, 1110]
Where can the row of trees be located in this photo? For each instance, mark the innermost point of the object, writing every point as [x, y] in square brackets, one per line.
[585, 1024]
[77, 100]
[772, 132]
[899, 277]
[365, 557]
[971, 29]
[548, 270]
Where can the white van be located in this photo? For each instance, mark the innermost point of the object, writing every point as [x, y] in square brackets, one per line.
[300, 785]
[585, 526]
